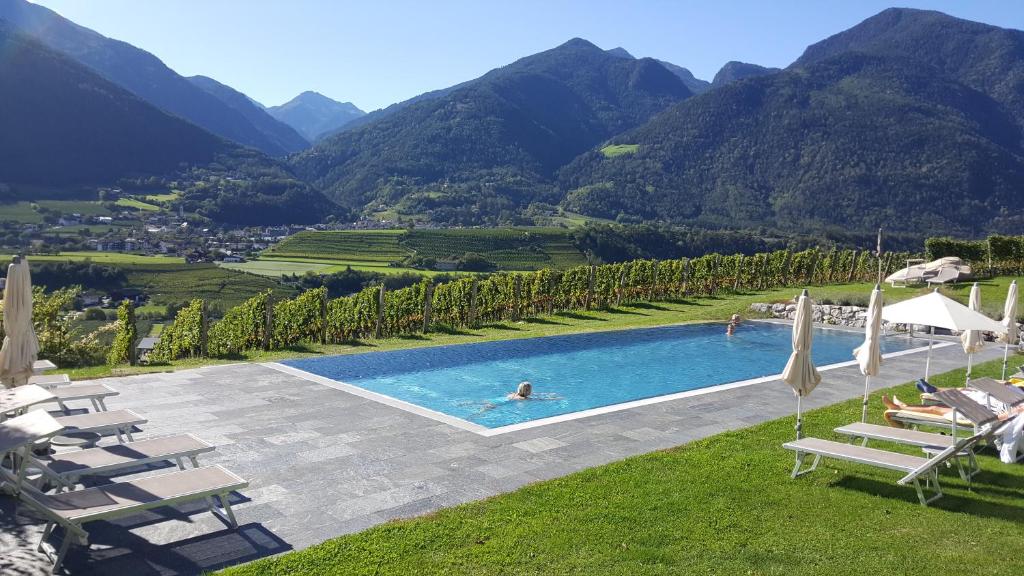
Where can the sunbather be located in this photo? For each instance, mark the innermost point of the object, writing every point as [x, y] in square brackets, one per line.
[895, 404]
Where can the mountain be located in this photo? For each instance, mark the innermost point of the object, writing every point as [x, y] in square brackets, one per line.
[696, 85]
[733, 71]
[493, 144]
[909, 121]
[986, 58]
[138, 72]
[313, 114]
[271, 127]
[65, 128]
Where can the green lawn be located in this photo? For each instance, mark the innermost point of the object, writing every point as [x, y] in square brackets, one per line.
[137, 204]
[723, 505]
[614, 150]
[164, 197]
[275, 268]
[104, 258]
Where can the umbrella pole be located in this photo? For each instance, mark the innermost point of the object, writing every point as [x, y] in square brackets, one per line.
[864, 405]
[970, 360]
[799, 422]
[928, 359]
[1006, 355]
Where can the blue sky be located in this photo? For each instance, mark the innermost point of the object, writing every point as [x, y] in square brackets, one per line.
[374, 53]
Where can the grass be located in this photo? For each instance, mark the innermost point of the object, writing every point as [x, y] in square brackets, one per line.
[164, 197]
[276, 268]
[722, 505]
[105, 258]
[137, 204]
[614, 150]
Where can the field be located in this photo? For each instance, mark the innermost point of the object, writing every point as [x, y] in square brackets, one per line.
[164, 197]
[509, 248]
[137, 204]
[276, 268]
[619, 150]
[24, 213]
[104, 258]
[94, 229]
[177, 283]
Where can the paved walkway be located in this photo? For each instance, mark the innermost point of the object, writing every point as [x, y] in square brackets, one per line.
[323, 462]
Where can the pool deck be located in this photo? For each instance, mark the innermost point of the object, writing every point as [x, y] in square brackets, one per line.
[323, 462]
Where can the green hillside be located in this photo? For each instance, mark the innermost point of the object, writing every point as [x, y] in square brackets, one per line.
[508, 248]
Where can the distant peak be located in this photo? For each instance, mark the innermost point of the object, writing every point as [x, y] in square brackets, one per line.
[621, 53]
[580, 43]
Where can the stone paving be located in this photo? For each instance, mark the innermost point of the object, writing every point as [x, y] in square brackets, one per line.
[322, 462]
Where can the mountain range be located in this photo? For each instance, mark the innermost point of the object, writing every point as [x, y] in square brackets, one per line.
[911, 119]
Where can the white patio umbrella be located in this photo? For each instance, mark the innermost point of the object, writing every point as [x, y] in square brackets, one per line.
[869, 354]
[800, 372]
[972, 339]
[1010, 322]
[20, 348]
[937, 311]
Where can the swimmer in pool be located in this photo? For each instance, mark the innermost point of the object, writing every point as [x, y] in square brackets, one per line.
[730, 329]
[522, 392]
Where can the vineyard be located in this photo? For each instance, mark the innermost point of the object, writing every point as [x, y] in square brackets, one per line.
[178, 283]
[267, 322]
[508, 248]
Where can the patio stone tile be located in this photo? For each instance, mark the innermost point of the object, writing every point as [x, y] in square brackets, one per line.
[539, 444]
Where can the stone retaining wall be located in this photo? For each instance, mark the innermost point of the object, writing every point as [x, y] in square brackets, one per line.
[833, 314]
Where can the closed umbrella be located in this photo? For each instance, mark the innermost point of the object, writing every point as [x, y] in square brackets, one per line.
[20, 347]
[1010, 322]
[869, 354]
[972, 339]
[800, 372]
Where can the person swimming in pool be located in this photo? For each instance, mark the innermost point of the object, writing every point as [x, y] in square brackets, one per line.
[730, 329]
[735, 320]
[522, 392]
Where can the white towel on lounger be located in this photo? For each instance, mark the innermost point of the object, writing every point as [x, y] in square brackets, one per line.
[1011, 440]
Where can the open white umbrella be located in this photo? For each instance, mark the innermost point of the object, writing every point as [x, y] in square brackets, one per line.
[935, 310]
[1010, 322]
[20, 347]
[972, 339]
[869, 354]
[800, 372]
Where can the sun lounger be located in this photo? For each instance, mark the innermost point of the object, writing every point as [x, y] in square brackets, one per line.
[915, 468]
[1008, 395]
[94, 393]
[915, 419]
[968, 413]
[15, 401]
[928, 441]
[40, 366]
[119, 422]
[66, 468]
[49, 380]
[72, 510]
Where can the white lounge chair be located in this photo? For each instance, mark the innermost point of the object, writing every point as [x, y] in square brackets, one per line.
[66, 468]
[928, 441]
[94, 393]
[72, 510]
[914, 467]
[119, 422]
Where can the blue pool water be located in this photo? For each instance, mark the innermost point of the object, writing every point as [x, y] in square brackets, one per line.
[579, 371]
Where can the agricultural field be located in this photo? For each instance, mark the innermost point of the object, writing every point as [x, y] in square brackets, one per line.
[164, 196]
[104, 258]
[24, 212]
[371, 247]
[614, 150]
[524, 248]
[177, 283]
[136, 204]
[276, 268]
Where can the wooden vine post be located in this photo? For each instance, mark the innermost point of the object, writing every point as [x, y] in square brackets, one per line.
[428, 300]
[739, 272]
[472, 302]
[590, 288]
[622, 286]
[268, 322]
[323, 318]
[516, 288]
[380, 313]
[204, 328]
[654, 281]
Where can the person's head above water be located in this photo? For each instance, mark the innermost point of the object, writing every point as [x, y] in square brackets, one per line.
[524, 389]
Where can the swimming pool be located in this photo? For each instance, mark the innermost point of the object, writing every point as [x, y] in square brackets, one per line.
[578, 372]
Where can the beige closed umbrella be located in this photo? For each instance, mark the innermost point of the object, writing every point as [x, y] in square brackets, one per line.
[869, 354]
[800, 372]
[972, 339]
[20, 347]
[1010, 321]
